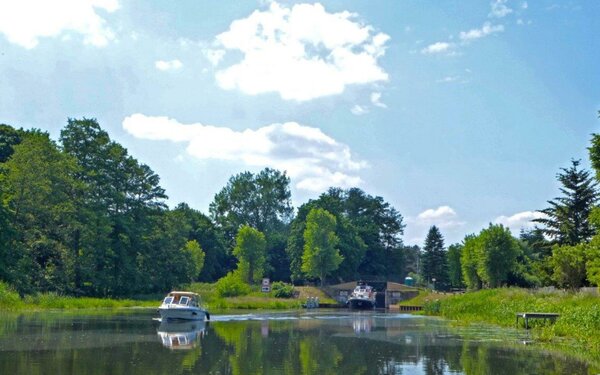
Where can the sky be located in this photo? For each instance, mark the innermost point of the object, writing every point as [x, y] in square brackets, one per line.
[459, 113]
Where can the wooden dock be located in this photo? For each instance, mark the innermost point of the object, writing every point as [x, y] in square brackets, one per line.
[535, 315]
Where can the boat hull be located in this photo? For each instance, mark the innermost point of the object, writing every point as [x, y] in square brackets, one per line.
[361, 304]
[182, 313]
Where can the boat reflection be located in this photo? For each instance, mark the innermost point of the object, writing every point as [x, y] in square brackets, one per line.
[181, 334]
[362, 324]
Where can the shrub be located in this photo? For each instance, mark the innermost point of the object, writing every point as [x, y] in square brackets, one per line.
[9, 299]
[282, 290]
[232, 285]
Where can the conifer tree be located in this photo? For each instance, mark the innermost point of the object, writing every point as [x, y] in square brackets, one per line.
[434, 260]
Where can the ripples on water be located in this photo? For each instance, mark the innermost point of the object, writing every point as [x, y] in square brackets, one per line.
[306, 342]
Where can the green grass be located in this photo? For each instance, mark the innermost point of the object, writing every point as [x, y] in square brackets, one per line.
[577, 329]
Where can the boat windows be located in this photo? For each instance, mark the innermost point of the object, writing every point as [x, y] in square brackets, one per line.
[168, 300]
[184, 300]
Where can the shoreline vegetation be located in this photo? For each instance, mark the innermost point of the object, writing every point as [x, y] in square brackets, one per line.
[576, 331]
[10, 301]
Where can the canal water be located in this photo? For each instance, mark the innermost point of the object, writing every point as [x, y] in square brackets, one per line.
[305, 342]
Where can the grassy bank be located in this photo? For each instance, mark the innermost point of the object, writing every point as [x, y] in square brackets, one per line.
[256, 299]
[577, 329]
[10, 300]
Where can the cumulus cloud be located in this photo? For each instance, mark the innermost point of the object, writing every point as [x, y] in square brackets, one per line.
[483, 31]
[437, 47]
[310, 157]
[24, 22]
[168, 65]
[443, 217]
[500, 9]
[301, 52]
[518, 221]
[376, 100]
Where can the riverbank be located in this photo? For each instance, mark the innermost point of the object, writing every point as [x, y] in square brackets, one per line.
[577, 330]
[256, 300]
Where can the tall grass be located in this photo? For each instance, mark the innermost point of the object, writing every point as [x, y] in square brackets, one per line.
[578, 325]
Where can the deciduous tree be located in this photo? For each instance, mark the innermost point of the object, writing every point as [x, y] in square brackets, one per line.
[320, 256]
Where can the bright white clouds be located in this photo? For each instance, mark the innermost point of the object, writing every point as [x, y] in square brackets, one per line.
[310, 157]
[168, 65]
[485, 30]
[518, 221]
[437, 47]
[500, 9]
[301, 53]
[443, 217]
[24, 22]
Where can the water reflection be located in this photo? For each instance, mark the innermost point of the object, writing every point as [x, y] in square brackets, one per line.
[284, 343]
[181, 334]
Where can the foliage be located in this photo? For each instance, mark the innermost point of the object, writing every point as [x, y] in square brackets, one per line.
[368, 229]
[435, 263]
[468, 262]
[567, 219]
[321, 256]
[454, 266]
[232, 285]
[9, 137]
[282, 290]
[568, 263]
[196, 255]
[250, 249]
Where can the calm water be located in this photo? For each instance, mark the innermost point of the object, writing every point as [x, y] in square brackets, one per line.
[311, 342]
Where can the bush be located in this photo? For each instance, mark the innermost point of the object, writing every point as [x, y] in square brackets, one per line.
[282, 290]
[232, 285]
[9, 299]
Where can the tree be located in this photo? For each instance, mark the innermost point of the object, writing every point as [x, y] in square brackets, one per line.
[262, 201]
[593, 262]
[468, 261]
[196, 255]
[9, 137]
[568, 263]
[434, 261]
[250, 249]
[567, 218]
[320, 255]
[496, 255]
[454, 266]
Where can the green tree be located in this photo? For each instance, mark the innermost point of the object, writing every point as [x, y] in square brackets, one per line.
[454, 266]
[321, 256]
[250, 249]
[9, 137]
[567, 219]
[569, 264]
[434, 264]
[496, 255]
[196, 255]
[468, 261]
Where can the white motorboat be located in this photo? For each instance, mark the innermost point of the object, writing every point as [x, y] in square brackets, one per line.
[182, 305]
[363, 297]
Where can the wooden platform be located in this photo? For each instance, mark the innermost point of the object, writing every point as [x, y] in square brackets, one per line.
[535, 315]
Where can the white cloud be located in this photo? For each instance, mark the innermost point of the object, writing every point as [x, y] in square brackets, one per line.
[310, 157]
[24, 22]
[376, 100]
[485, 30]
[448, 79]
[524, 5]
[443, 217]
[499, 9]
[168, 65]
[437, 47]
[358, 110]
[214, 55]
[301, 52]
[518, 221]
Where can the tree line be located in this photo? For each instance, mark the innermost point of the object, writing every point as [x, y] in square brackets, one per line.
[80, 216]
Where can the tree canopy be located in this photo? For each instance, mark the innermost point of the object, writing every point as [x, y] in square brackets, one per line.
[320, 256]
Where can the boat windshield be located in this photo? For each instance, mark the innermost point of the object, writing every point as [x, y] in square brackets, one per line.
[168, 300]
[184, 300]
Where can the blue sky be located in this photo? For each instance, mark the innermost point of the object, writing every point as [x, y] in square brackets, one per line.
[459, 113]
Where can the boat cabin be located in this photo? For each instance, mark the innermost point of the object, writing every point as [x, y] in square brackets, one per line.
[182, 298]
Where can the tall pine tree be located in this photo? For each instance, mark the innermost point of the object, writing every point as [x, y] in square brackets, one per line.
[567, 218]
[434, 260]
